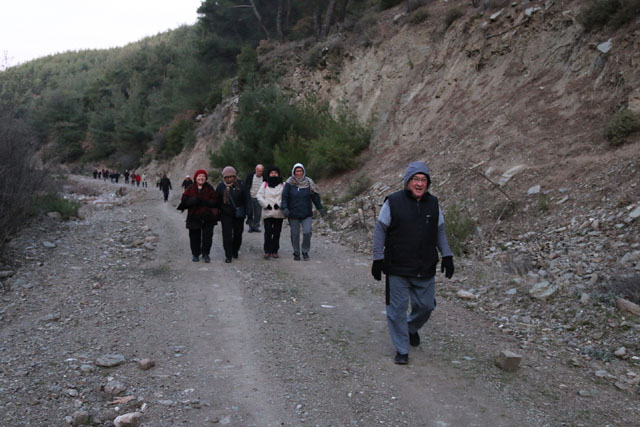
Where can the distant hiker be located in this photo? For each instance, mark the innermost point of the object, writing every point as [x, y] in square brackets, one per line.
[202, 203]
[95, 174]
[270, 198]
[133, 178]
[254, 211]
[409, 232]
[187, 182]
[116, 176]
[138, 180]
[99, 174]
[233, 200]
[165, 186]
[144, 180]
[126, 176]
[297, 197]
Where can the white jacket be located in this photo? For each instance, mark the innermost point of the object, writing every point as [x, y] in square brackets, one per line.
[271, 196]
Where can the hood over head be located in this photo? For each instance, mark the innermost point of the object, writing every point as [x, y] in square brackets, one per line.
[298, 165]
[414, 168]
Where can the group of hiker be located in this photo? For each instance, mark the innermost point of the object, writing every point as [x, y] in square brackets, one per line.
[139, 180]
[409, 234]
[234, 202]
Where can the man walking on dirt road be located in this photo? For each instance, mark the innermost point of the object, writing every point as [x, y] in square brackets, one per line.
[409, 232]
[254, 211]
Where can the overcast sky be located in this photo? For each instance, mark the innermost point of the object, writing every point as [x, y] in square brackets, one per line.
[31, 29]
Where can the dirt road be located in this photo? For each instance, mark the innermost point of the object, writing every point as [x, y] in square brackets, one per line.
[252, 343]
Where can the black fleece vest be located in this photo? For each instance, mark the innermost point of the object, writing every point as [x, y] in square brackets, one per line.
[411, 244]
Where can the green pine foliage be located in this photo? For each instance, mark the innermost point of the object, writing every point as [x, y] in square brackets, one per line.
[116, 106]
[621, 125]
[595, 14]
[271, 128]
[459, 228]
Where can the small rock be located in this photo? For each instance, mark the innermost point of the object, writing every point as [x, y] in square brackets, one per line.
[110, 360]
[114, 387]
[621, 352]
[79, 418]
[128, 420]
[55, 215]
[628, 306]
[5, 274]
[48, 244]
[533, 190]
[605, 46]
[466, 295]
[508, 361]
[585, 298]
[542, 290]
[146, 364]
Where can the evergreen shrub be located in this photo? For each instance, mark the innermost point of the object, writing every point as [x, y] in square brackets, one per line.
[271, 128]
[52, 202]
[622, 124]
[595, 14]
[459, 228]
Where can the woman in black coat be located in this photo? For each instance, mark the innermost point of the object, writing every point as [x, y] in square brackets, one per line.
[233, 196]
[202, 203]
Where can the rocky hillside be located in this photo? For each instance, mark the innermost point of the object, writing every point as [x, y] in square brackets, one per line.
[508, 108]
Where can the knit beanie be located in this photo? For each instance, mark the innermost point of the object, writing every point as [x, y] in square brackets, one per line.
[198, 172]
[229, 171]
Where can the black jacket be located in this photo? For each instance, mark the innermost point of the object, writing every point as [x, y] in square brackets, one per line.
[411, 243]
[238, 194]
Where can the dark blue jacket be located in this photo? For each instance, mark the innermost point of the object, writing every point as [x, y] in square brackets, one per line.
[298, 201]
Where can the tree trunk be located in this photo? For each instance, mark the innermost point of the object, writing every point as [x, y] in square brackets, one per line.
[279, 21]
[259, 18]
[316, 22]
[326, 24]
[341, 12]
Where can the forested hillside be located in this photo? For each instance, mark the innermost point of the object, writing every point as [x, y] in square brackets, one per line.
[121, 107]
[320, 82]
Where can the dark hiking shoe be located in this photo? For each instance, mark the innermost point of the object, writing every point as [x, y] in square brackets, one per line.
[296, 257]
[267, 256]
[274, 256]
[206, 258]
[414, 339]
[305, 256]
[195, 258]
[401, 359]
[227, 260]
[235, 255]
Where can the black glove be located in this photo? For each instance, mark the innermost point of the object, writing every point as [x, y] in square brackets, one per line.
[286, 213]
[190, 202]
[323, 213]
[376, 269]
[276, 207]
[447, 264]
[268, 208]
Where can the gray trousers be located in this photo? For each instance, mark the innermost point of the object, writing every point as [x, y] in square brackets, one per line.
[295, 225]
[423, 302]
[254, 213]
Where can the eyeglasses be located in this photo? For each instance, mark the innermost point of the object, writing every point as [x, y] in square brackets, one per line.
[419, 180]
